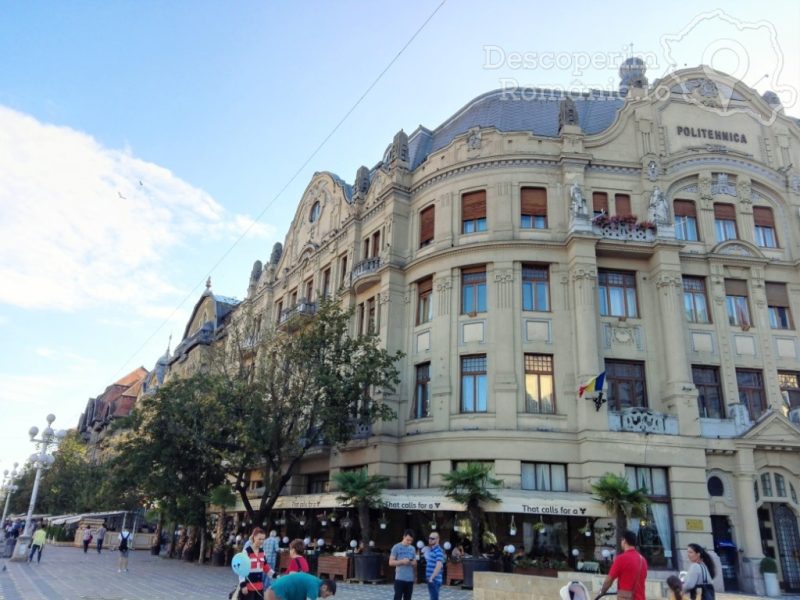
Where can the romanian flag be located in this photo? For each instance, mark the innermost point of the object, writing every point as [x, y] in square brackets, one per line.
[595, 385]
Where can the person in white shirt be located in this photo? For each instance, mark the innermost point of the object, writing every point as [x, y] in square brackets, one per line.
[125, 543]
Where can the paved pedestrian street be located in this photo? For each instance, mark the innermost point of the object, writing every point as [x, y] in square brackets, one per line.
[69, 574]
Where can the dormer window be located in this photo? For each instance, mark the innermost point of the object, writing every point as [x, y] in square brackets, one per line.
[314, 214]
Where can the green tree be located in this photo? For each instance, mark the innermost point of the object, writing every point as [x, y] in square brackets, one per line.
[314, 386]
[173, 453]
[472, 486]
[362, 492]
[620, 500]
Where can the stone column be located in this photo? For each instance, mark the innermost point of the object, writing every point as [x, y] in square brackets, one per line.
[678, 394]
[588, 362]
[748, 537]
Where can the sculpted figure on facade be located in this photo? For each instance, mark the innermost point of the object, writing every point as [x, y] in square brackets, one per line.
[578, 208]
[277, 252]
[568, 113]
[658, 211]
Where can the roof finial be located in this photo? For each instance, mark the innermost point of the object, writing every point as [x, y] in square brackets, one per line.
[208, 283]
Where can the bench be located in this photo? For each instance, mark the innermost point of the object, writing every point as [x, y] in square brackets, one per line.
[333, 566]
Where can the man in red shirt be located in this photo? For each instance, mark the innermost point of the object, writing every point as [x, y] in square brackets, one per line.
[630, 568]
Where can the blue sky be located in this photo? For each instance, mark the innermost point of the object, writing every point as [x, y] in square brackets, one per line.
[139, 140]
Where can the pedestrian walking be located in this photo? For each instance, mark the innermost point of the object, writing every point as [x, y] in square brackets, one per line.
[125, 539]
[403, 557]
[37, 544]
[270, 549]
[101, 535]
[434, 563]
[630, 568]
[86, 538]
[258, 579]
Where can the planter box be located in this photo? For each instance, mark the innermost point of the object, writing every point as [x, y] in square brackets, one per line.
[454, 571]
[473, 565]
[538, 571]
[333, 566]
[368, 567]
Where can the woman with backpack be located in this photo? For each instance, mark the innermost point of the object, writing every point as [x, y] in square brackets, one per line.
[125, 540]
[701, 573]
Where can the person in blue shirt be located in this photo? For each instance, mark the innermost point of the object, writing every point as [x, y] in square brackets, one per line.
[434, 563]
[403, 558]
[300, 586]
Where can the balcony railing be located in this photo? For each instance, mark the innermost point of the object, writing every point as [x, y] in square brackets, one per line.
[301, 311]
[365, 267]
[361, 429]
[736, 424]
[642, 420]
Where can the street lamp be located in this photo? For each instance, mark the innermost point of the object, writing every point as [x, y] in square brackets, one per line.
[40, 459]
[8, 488]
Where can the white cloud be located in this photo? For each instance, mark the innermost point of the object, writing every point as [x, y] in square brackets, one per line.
[45, 352]
[85, 225]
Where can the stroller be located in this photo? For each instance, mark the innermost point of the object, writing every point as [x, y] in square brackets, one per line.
[574, 590]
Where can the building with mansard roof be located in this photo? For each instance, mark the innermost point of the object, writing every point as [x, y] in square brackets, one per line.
[535, 240]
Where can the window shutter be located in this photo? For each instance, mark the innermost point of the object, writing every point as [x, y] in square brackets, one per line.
[763, 216]
[600, 202]
[777, 294]
[622, 204]
[735, 287]
[426, 285]
[725, 211]
[533, 201]
[473, 270]
[684, 208]
[427, 219]
[473, 205]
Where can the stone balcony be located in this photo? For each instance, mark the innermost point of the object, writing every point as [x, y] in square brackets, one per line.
[642, 420]
[621, 231]
[735, 425]
[365, 273]
[297, 315]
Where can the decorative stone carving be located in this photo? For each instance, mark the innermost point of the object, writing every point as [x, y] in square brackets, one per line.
[581, 274]
[474, 139]
[669, 279]
[400, 147]
[652, 170]
[658, 211]
[722, 186]
[361, 186]
[444, 284]
[567, 114]
[384, 298]
[504, 277]
[745, 192]
[795, 184]
[736, 250]
[578, 207]
[645, 420]
[704, 184]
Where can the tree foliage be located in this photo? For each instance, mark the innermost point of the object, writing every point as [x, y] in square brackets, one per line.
[306, 389]
[620, 500]
[472, 486]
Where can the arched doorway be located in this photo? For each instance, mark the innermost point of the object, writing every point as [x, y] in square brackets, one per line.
[788, 538]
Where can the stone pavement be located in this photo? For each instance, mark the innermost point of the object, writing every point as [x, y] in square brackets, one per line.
[69, 574]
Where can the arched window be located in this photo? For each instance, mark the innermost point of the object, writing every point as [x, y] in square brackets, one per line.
[314, 214]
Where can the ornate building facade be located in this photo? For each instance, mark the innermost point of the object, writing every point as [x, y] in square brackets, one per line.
[533, 241]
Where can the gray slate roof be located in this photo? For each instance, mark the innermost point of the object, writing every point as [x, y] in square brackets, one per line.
[529, 109]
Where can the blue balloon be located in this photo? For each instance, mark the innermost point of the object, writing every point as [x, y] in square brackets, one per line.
[241, 564]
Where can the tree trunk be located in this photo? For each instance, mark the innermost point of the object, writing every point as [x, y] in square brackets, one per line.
[363, 521]
[475, 522]
[202, 546]
[219, 532]
[182, 538]
[622, 525]
[191, 543]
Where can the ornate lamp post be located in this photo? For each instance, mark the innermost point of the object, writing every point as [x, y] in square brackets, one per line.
[7, 488]
[41, 459]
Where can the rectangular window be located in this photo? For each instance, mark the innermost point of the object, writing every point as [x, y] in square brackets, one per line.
[425, 301]
[293, 298]
[766, 484]
[765, 227]
[419, 476]
[533, 208]
[473, 212]
[626, 384]
[361, 312]
[709, 392]
[474, 384]
[544, 477]
[685, 220]
[422, 392]
[343, 271]
[789, 382]
[780, 485]
[278, 311]
[655, 532]
[622, 204]
[539, 389]
[473, 290]
[309, 290]
[535, 288]
[617, 290]
[751, 391]
[326, 283]
[427, 221]
[736, 303]
[778, 306]
[372, 315]
[317, 483]
[365, 250]
[725, 222]
[376, 244]
[599, 203]
[695, 304]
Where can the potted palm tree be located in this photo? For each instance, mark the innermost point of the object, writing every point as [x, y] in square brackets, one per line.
[620, 500]
[223, 497]
[363, 492]
[472, 486]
